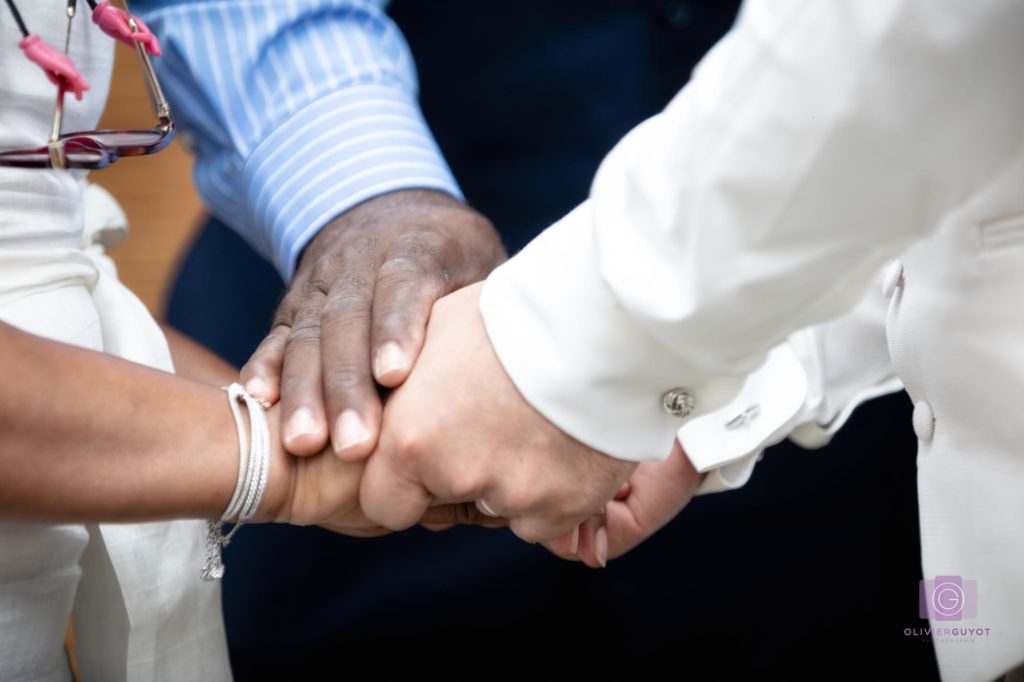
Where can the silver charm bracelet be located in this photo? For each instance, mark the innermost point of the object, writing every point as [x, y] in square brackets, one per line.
[253, 471]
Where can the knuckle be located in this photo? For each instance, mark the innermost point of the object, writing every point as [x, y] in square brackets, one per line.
[395, 324]
[258, 365]
[349, 322]
[518, 499]
[346, 379]
[348, 303]
[278, 333]
[274, 342]
[407, 448]
[463, 485]
[268, 353]
[422, 250]
[404, 266]
[424, 238]
[328, 268]
[352, 278]
[301, 300]
[370, 246]
[293, 386]
[304, 336]
[284, 315]
[579, 509]
[290, 302]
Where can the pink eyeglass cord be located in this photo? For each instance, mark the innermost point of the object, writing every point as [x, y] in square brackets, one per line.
[115, 22]
[58, 68]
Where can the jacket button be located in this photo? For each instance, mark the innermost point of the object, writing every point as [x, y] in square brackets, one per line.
[924, 421]
[678, 402]
[893, 278]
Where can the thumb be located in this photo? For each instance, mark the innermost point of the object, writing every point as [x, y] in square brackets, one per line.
[658, 492]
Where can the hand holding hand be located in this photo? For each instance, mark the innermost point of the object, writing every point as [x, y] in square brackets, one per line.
[655, 494]
[458, 430]
[356, 311]
[324, 490]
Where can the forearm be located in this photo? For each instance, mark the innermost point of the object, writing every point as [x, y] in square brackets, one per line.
[197, 362]
[88, 437]
[805, 152]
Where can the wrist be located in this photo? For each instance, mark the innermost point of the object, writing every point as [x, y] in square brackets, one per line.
[276, 504]
[432, 208]
[367, 211]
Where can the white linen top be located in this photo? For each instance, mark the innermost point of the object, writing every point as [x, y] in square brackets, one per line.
[140, 609]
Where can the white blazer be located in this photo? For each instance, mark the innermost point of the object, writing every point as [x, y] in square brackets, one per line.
[816, 142]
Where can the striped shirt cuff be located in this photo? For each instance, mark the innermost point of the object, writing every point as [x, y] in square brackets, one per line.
[340, 150]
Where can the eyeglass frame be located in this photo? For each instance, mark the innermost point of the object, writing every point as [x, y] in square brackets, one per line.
[55, 149]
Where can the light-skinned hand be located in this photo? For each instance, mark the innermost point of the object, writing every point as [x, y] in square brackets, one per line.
[458, 431]
[654, 495]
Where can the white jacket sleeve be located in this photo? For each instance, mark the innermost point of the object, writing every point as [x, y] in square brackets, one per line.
[816, 141]
[806, 390]
[846, 363]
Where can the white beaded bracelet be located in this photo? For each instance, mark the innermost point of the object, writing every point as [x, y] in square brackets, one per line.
[253, 471]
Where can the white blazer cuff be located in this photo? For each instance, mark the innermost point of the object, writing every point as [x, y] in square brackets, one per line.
[814, 434]
[729, 477]
[727, 443]
[579, 358]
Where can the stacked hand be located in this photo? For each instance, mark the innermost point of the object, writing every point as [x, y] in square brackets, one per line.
[356, 311]
[458, 431]
[324, 490]
[354, 316]
[372, 304]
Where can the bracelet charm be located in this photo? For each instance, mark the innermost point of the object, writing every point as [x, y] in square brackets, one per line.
[253, 471]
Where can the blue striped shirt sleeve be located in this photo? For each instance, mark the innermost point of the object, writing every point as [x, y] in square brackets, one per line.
[296, 111]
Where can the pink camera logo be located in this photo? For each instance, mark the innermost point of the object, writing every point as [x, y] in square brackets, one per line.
[949, 597]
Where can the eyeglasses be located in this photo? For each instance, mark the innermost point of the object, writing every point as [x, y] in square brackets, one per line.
[94, 149]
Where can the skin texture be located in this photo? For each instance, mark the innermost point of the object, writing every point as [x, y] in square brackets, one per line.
[356, 310]
[458, 430]
[87, 437]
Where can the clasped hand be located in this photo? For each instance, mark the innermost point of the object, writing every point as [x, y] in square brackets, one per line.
[455, 442]
[460, 445]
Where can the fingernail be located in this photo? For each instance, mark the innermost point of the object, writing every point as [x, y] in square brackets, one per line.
[349, 431]
[601, 546]
[257, 388]
[389, 359]
[299, 424]
[574, 545]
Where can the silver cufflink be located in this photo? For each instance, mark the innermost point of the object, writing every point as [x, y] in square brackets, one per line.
[743, 418]
[678, 402]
